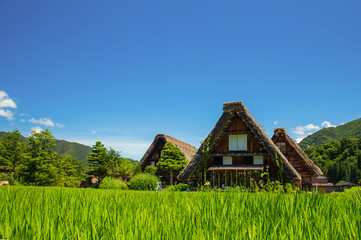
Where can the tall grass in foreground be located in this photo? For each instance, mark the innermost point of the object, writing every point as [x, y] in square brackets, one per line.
[60, 213]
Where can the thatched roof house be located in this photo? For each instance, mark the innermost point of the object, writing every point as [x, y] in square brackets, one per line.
[233, 149]
[154, 152]
[308, 170]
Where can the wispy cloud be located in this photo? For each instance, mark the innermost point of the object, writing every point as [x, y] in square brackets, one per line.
[275, 123]
[59, 125]
[303, 131]
[42, 121]
[6, 102]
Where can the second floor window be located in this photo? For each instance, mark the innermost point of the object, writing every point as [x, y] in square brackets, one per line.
[237, 142]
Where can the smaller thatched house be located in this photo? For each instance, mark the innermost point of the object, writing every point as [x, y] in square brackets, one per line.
[311, 175]
[154, 152]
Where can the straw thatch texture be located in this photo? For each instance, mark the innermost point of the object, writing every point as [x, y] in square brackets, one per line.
[161, 139]
[311, 166]
[232, 109]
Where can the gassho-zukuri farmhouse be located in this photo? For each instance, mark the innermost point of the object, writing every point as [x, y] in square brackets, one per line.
[237, 151]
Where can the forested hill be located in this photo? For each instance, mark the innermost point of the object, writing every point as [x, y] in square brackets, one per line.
[328, 135]
[339, 160]
[63, 148]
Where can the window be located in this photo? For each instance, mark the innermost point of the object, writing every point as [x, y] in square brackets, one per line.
[258, 160]
[227, 160]
[161, 153]
[237, 142]
[152, 163]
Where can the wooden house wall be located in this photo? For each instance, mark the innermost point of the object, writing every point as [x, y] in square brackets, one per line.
[237, 126]
[296, 161]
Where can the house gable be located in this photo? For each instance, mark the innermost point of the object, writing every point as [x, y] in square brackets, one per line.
[237, 120]
[153, 154]
[299, 160]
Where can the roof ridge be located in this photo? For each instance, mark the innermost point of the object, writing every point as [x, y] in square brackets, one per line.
[167, 136]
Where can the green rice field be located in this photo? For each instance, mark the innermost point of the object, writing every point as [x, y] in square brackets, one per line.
[65, 213]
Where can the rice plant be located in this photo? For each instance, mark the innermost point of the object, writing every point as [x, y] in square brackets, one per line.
[64, 213]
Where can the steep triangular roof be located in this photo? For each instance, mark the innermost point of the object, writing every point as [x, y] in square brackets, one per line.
[230, 110]
[308, 162]
[188, 150]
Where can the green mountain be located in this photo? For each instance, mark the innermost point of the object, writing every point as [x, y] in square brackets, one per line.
[331, 134]
[63, 148]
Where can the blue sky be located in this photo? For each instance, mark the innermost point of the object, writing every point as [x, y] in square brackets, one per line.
[123, 71]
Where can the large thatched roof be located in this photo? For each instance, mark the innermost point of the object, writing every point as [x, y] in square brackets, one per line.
[316, 171]
[230, 110]
[188, 150]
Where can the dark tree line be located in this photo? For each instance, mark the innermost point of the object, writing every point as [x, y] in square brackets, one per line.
[339, 160]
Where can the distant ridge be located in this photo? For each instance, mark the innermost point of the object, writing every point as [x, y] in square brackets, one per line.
[63, 147]
[326, 135]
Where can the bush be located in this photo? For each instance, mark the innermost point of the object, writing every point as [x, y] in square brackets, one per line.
[353, 190]
[112, 183]
[177, 188]
[143, 181]
[137, 169]
[151, 170]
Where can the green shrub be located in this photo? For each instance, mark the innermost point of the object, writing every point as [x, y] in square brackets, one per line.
[353, 190]
[112, 183]
[143, 181]
[151, 170]
[137, 169]
[177, 188]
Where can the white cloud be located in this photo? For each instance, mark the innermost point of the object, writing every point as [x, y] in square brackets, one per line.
[37, 129]
[327, 124]
[275, 122]
[22, 120]
[93, 132]
[59, 125]
[7, 113]
[303, 131]
[6, 102]
[42, 121]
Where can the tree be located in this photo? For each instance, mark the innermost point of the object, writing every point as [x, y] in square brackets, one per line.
[108, 162]
[69, 171]
[137, 169]
[173, 160]
[151, 170]
[97, 158]
[39, 167]
[117, 166]
[11, 150]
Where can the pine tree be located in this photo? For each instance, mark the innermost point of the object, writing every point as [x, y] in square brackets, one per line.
[173, 160]
[97, 159]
